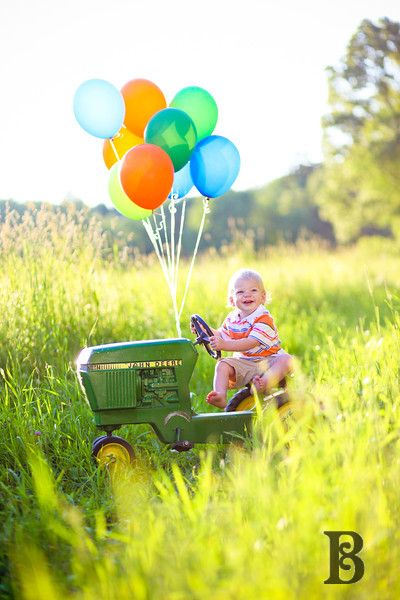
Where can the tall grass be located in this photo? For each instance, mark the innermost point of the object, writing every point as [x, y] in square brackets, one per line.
[224, 522]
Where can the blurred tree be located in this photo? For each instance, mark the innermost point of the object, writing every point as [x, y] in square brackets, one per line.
[358, 187]
[286, 209]
[283, 210]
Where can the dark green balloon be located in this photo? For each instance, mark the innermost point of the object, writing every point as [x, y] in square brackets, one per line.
[173, 130]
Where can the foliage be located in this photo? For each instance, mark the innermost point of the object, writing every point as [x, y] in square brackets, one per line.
[287, 210]
[240, 522]
[359, 184]
[283, 210]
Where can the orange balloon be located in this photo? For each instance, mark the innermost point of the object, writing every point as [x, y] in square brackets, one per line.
[123, 141]
[142, 100]
[147, 175]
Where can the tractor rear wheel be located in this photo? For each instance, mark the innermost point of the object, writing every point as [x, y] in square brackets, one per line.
[281, 399]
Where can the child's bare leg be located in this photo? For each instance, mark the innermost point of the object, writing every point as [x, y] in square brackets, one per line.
[281, 367]
[223, 373]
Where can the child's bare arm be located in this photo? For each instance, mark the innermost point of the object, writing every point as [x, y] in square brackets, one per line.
[217, 342]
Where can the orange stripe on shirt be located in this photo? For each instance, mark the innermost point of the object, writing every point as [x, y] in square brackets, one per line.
[266, 334]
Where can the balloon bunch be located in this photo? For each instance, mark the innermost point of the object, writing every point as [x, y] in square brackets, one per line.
[156, 153]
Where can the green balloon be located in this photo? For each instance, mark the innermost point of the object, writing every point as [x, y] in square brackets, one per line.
[200, 106]
[121, 201]
[173, 130]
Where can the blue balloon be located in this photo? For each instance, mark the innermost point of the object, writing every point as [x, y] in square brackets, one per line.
[214, 165]
[182, 182]
[99, 108]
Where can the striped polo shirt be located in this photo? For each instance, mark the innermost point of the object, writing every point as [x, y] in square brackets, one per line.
[259, 325]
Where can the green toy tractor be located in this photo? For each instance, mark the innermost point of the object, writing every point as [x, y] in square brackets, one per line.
[148, 382]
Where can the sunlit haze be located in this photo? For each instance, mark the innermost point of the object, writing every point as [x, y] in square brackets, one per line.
[263, 61]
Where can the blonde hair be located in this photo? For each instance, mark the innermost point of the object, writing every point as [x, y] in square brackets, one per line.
[246, 274]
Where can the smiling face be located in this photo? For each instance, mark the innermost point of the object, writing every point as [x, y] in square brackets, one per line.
[247, 295]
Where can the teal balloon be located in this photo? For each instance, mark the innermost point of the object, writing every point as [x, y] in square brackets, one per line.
[173, 130]
[200, 106]
[99, 108]
[120, 200]
[182, 183]
[214, 165]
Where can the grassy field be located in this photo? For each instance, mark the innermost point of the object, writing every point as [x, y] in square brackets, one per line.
[238, 522]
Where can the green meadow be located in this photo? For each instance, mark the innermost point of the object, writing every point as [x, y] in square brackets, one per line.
[238, 522]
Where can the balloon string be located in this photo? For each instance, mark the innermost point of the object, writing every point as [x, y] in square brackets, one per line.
[178, 251]
[171, 259]
[154, 237]
[154, 241]
[172, 211]
[206, 210]
[173, 278]
[164, 222]
[114, 149]
[157, 236]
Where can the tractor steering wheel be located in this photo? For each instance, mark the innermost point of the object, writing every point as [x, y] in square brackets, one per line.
[203, 331]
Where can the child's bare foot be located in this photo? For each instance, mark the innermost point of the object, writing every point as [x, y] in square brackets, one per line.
[216, 399]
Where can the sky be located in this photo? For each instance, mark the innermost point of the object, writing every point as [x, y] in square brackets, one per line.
[262, 60]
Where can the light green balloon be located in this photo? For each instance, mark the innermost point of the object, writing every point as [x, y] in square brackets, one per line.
[200, 106]
[121, 201]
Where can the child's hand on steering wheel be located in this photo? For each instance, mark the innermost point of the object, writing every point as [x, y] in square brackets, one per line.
[203, 334]
[216, 341]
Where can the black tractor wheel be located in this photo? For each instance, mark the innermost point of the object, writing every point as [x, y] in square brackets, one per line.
[112, 452]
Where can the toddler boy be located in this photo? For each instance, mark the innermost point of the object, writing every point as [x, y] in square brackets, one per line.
[250, 333]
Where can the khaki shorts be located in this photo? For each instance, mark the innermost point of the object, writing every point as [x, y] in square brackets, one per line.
[245, 370]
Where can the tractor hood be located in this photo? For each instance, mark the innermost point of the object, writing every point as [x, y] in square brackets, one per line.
[144, 354]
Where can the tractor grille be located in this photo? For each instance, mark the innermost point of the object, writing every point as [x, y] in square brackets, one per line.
[120, 388]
